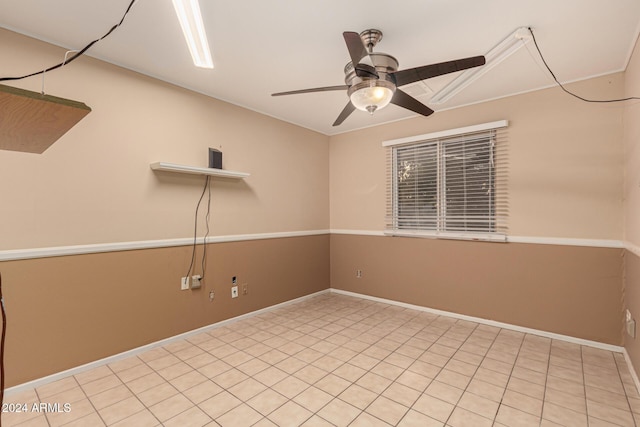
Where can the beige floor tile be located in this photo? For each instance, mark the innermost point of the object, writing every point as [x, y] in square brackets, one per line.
[479, 405]
[219, 404]
[433, 407]
[120, 410]
[402, 394]
[253, 366]
[367, 420]
[508, 416]
[522, 402]
[109, 397]
[163, 362]
[464, 418]
[188, 380]
[313, 399]
[56, 387]
[157, 394]
[333, 384]
[34, 421]
[202, 391]
[267, 401]
[387, 410]
[215, 368]
[91, 420]
[358, 396]
[566, 400]
[76, 410]
[571, 387]
[246, 389]
[270, 376]
[68, 396]
[200, 360]
[527, 388]
[93, 374]
[145, 383]
[240, 416]
[290, 414]
[492, 377]
[373, 382]
[290, 387]
[614, 415]
[101, 385]
[229, 378]
[425, 369]
[444, 392]
[291, 365]
[486, 390]
[132, 373]
[339, 413]
[316, 421]
[453, 379]
[563, 416]
[417, 419]
[174, 371]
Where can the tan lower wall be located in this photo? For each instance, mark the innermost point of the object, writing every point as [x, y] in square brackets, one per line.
[632, 303]
[66, 311]
[569, 290]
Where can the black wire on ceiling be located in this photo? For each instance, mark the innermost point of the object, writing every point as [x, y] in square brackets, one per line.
[535, 42]
[75, 55]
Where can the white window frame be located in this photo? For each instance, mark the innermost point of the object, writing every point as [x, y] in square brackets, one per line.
[498, 235]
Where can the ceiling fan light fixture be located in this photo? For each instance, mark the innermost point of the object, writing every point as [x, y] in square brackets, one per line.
[371, 95]
[190, 18]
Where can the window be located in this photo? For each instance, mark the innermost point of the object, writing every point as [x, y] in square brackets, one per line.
[449, 184]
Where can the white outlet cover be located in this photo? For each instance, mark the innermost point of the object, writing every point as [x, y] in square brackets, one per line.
[234, 292]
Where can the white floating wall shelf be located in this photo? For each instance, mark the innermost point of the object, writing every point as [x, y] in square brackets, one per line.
[172, 167]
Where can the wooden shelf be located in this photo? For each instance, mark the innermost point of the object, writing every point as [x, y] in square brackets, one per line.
[171, 167]
[30, 122]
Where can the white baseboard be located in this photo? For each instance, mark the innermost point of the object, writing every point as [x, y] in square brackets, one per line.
[631, 368]
[134, 352]
[567, 338]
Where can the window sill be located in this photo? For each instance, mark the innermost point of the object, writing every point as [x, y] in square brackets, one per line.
[482, 237]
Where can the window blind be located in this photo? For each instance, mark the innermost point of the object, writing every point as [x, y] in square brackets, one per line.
[453, 185]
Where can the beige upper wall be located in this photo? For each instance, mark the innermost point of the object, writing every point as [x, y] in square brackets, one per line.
[632, 151]
[565, 175]
[94, 185]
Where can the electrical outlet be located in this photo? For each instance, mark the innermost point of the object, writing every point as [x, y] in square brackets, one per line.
[359, 274]
[627, 315]
[234, 292]
[211, 295]
[196, 281]
[631, 328]
[184, 283]
[245, 289]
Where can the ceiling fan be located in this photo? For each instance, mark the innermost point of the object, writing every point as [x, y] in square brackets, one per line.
[372, 78]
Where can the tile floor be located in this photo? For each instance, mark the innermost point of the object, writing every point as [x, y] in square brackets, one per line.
[334, 360]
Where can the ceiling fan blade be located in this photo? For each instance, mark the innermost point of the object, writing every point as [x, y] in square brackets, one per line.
[317, 89]
[404, 77]
[357, 49]
[348, 109]
[402, 99]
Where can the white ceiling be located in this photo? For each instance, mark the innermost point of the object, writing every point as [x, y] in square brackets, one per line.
[265, 46]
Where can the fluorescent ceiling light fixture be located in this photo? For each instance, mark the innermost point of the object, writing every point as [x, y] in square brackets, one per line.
[502, 51]
[188, 12]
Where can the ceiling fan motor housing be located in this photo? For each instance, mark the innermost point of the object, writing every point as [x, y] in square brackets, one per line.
[383, 64]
